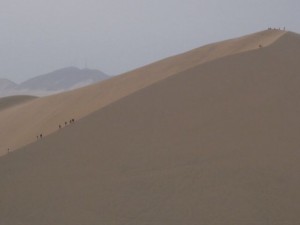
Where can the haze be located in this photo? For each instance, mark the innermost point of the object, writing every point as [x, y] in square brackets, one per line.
[38, 36]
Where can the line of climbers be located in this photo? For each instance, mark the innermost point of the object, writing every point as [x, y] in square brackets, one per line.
[270, 28]
[41, 135]
[59, 126]
[66, 123]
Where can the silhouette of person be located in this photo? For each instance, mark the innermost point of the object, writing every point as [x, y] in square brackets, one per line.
[59, 126]
[41, 136]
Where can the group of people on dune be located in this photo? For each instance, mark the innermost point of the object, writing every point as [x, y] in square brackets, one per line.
[66, 123]
[270, 28]
[39, 137]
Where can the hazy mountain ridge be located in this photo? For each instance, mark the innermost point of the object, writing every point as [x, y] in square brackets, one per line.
[57, 81]
[6, 84]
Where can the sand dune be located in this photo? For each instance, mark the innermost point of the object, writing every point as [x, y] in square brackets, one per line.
[7, 102]
[215, 144]
[19, 126]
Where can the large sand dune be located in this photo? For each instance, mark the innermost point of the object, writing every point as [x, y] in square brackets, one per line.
[215, 144]
[20, 125]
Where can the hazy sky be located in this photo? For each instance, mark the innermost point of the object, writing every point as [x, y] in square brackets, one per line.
[39, 36]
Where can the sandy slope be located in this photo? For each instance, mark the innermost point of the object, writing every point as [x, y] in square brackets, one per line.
[7, 102]
[19, 126]
[216, 144]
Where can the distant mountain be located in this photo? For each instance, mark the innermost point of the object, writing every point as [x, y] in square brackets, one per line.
[57, 81]
[63, 79]
[6, 84]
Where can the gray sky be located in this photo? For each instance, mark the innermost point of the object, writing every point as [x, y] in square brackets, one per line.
[39, 36]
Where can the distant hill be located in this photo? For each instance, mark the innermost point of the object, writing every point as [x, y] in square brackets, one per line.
[10, 101]
[6, 84]
[64, 79]
[57, 81]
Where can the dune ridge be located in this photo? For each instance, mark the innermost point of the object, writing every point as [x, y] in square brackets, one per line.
[215, 144]
[22, 124]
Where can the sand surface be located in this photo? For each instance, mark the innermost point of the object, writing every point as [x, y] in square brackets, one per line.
[215, 144]
[7, 102]
[20, 125]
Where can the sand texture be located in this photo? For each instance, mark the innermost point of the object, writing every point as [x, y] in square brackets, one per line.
[215, 144]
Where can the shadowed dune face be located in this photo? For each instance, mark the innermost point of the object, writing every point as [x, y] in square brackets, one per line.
[21, 125]
[216, 144]
[8, 102]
